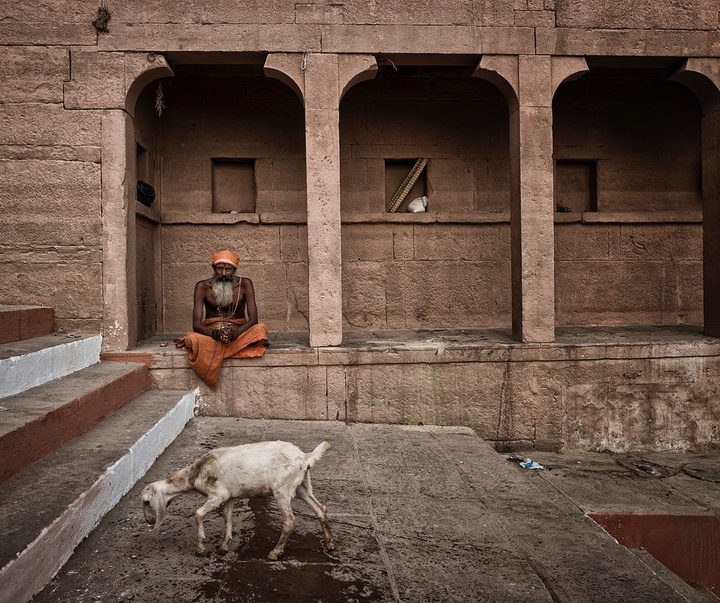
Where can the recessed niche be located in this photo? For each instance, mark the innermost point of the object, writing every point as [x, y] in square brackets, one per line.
[575, 185]
[233, 186]
[396, 170]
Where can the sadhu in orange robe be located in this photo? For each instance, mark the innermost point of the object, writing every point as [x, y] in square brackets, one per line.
[206, 355]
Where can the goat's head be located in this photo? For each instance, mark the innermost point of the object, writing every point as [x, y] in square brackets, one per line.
[154, 503]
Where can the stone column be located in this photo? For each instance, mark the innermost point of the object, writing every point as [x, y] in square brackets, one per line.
[322, 79]
[702, 76]
[711, 221]
[118, 222]
[528, 83]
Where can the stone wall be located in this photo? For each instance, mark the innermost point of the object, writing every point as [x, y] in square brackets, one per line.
[65, 95]
[621, 391]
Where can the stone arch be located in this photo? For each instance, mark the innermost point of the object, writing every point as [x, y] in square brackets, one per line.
[702, 77]
[666, 285]
[422, 106]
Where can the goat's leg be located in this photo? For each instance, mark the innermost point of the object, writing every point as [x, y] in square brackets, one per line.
[210, 504]
[283, 502]
[304, 492]
[228, 516]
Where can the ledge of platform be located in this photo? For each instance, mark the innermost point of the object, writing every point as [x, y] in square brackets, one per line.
[450, 345]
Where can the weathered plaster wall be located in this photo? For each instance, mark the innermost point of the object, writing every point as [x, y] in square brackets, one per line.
[424, 276]
[459, 123]
[50, 192]
[643, 138]
[644, 135]
[417, 273]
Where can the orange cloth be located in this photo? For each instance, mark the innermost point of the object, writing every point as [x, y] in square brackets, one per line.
[206, 355]
[226, 257]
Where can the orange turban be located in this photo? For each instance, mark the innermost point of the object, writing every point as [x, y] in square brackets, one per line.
[226, 257]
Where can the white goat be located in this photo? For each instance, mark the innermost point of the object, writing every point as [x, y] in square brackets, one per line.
[224, 474]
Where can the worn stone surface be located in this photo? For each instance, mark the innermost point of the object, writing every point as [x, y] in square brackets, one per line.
[90, 68]
[418, 513]
[33, 73]
[646, 14]
[48, 127]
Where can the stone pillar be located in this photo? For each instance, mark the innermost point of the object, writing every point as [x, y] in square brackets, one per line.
[711, 222]
[528, 83]
[124, 75]
[702, 76]
[118, 224]
[321, 80]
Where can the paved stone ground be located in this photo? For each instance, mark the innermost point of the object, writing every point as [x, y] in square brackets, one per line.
[419, 514]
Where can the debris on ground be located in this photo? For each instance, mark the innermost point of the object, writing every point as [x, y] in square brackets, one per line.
[527, 463]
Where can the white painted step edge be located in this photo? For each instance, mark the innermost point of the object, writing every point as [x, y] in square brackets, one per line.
[33, 568]
[20, 373]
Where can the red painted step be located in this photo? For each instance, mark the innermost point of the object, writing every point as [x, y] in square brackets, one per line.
[24, 322]
[37, 422]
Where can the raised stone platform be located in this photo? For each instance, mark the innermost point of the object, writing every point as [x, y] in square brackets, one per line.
[592, 389]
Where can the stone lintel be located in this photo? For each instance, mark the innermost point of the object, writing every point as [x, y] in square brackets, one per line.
[48, 34]
[627, 42]
[178, 37]
[428, 39]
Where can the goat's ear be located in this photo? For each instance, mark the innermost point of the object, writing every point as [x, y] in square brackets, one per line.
[159, 507]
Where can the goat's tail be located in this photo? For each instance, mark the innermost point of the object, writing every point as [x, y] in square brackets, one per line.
[314, 456]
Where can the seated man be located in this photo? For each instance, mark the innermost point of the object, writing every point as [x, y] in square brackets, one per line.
[225, 332]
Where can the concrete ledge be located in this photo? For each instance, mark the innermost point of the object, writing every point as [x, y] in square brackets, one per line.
[653, 388]
[81, 483]
[29, 363]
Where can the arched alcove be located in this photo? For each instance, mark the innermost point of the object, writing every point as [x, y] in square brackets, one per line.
[628, 195]
[448, 267]
[223, 146]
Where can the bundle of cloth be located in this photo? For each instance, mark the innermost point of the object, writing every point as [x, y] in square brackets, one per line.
[206, 354]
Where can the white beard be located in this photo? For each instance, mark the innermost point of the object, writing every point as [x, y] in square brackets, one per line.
[223, 292]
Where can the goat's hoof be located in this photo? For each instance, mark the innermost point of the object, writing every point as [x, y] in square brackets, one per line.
[223, 549]
[273, 556]
[200, 552]
[330, 546]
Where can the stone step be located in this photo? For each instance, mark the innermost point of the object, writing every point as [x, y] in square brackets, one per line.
[35, 423]
[48, 509]
[24, 322]
[32, 362]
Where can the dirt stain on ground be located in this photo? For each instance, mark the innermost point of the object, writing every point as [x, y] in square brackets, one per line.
[305, 573]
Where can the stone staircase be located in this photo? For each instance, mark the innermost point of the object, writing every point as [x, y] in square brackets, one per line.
[76, 433]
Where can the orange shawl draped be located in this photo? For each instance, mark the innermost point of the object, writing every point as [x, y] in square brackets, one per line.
[206, 355]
